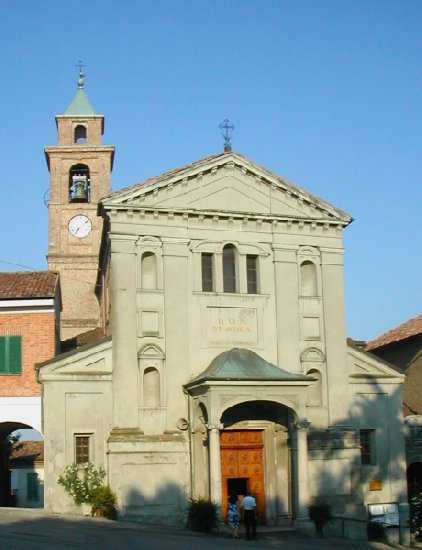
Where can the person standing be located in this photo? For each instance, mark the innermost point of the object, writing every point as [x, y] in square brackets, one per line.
[233, 516]
[249, 515]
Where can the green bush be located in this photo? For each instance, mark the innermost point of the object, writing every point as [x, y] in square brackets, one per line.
[103, 502]
[85, 485]
[81, 481]
[202, 515]
[320, 514]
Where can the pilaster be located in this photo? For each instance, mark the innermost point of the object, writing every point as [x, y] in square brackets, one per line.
[124, 328]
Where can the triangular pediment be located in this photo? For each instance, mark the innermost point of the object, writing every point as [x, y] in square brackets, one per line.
[91, 360]
[363, 365]
[225, 183]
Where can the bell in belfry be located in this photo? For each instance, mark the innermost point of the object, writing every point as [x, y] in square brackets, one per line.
[79, 188]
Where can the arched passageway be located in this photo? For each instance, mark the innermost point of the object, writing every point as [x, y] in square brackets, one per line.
[21, 465]
[256, 457]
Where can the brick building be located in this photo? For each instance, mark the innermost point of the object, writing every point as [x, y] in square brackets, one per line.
[29, 332]
[30, 305]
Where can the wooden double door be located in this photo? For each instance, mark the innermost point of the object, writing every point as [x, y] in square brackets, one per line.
[242, 467]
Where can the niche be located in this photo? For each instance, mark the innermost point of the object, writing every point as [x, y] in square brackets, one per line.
[149, 271]
[151, 388]
[308, 277]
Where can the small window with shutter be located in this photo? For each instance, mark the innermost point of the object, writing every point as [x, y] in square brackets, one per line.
[10, 354]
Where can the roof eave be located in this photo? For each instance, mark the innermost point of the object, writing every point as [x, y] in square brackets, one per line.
[244, 382]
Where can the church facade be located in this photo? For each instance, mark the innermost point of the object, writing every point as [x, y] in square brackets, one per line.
[226, 368]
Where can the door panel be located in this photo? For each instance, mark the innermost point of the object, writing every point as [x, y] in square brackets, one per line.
[242, 456]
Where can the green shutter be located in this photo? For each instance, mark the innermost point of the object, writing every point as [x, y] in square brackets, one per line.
[10, 355]
[32, 486]
[15, 360]
[3, 354]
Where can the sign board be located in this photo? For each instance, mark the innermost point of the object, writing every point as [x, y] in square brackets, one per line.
[375, 485]
[387, 514]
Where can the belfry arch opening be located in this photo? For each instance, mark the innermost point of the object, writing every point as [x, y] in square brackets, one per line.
[80, 134]
[79, 183]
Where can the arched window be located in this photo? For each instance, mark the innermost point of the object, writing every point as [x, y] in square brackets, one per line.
[308, 276]
[314, 398]
[151, 388]
[229, 268]
[149, 271]
[79, 183]
[80, 134]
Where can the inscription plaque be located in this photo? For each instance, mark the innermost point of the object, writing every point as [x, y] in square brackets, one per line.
[232, 325]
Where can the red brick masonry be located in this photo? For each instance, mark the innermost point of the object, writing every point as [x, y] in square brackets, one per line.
[38, 344]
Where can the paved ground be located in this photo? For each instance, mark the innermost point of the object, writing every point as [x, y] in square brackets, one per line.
[34, 530]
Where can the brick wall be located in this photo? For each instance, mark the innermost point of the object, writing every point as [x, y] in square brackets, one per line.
[38, 344]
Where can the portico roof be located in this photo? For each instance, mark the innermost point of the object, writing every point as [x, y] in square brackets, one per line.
[240, 364]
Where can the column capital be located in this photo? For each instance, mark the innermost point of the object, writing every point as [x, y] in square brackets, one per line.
[214, 427]
[303, 424]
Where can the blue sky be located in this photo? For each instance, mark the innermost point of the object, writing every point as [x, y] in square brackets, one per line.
[327, 94]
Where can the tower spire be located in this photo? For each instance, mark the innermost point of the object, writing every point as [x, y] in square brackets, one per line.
[80, 105]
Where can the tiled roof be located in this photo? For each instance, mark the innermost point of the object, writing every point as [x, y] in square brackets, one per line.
[412, 327]
[244, 364]
[28, 284]
[27, 451]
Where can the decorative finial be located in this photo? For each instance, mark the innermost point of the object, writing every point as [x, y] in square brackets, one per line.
[227, 128]
[81, 79]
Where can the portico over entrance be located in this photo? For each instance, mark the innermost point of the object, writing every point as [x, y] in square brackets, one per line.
[249, 433]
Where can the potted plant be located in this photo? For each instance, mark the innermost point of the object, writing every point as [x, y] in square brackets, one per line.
[103, 502]
[202, 515]
[320, 514]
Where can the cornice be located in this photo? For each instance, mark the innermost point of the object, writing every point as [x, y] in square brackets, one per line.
[265, 222]
[78, 149]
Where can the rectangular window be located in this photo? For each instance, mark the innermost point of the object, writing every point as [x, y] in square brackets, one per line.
[10, 354]
[207, 272]
[252, 273]
[367, 446]
[32, 486]
[82, 449]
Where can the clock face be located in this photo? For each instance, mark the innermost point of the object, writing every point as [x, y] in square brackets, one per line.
[80, 226]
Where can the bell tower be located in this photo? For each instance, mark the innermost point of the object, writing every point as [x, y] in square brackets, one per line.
[80, 168]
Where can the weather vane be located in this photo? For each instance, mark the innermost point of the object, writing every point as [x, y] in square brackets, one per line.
[81, 78]
[227, 128]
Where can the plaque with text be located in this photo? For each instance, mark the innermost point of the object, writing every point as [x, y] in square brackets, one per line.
[232, 325]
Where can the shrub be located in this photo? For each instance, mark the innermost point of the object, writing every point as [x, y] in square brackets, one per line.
[103, 502]
[202, 515]
[81, 482]
[320, 514]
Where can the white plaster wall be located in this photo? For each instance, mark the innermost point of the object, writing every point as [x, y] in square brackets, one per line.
[77, 400]
[378, 406]
[19, 486]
